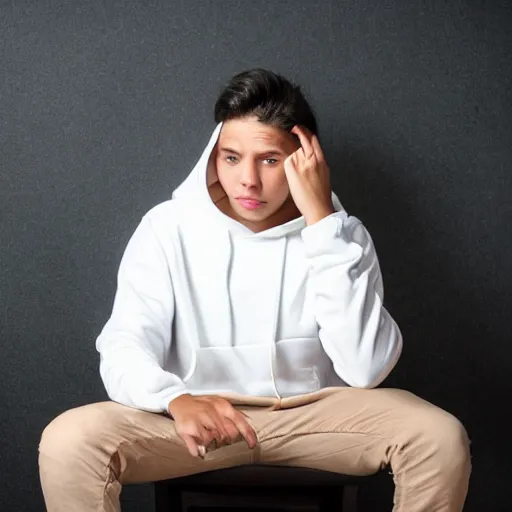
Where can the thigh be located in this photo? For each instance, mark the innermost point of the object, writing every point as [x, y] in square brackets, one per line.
[350, 430]
[137, 446]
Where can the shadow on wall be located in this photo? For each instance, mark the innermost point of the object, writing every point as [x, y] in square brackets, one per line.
[438, 295]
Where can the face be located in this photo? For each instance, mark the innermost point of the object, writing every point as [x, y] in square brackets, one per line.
[250, 166]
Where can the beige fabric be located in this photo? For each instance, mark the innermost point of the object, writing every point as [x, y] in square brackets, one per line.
[87, 453]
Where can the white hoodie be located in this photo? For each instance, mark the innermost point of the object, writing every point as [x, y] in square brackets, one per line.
[206, 306]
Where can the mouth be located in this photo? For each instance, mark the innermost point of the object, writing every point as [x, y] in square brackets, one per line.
[249, 203]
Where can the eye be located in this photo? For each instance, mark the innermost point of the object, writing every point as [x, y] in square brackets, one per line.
[231, 159]
[270, 161]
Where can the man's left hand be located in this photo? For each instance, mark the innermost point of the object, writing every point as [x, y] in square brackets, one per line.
[309, 177]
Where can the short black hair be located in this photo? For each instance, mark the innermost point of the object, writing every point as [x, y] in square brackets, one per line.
[268, 96]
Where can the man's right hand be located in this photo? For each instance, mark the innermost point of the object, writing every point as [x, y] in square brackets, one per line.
[201, 420]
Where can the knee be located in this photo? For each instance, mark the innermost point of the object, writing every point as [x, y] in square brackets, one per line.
[451, 434]
[445, 438]
[73, 432]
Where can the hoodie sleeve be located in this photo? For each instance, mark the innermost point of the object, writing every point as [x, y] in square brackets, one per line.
[136, 340]
[357, 333]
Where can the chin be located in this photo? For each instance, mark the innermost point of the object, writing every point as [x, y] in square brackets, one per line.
[252, 216]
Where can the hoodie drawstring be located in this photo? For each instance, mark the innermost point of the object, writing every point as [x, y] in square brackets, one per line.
[228, 281]
[277, 307]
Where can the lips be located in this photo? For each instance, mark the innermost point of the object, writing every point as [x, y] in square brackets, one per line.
[249, 203]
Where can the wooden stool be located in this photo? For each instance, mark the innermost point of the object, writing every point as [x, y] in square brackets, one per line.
[259, 487]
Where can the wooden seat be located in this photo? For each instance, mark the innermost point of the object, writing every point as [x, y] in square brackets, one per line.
[259, 487]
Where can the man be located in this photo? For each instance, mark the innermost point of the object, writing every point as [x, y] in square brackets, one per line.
[249, 326]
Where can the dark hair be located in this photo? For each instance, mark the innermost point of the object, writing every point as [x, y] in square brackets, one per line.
[268, 96]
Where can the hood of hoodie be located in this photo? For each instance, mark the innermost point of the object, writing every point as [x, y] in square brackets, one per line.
[204, 174]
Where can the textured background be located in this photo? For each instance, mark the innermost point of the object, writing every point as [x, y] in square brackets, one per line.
[105, 107]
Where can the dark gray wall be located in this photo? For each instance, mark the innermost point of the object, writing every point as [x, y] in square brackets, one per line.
[104, 108]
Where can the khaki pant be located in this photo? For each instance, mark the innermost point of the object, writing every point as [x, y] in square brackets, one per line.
[87, 453]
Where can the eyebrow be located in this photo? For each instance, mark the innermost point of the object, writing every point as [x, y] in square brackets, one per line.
[271, 152]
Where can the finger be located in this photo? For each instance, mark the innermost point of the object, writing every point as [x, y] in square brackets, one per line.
[201, 432]
[317, 148]
[214, 424]
[191, 444]
[220, 437]
[229, 417]
[304, 141]
[212, 446]
[291, 165]
[207, 436]
[245, 429]
[234, 434]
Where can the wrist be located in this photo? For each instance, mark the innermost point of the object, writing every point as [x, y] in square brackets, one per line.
[177, 402]
[319, 214]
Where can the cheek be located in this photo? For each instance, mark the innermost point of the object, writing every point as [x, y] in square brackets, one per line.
[279, 185]
[222, 174]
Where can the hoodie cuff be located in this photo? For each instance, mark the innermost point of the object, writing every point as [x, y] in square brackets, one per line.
[324, 230]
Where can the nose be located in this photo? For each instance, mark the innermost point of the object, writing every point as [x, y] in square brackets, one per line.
[249, 176]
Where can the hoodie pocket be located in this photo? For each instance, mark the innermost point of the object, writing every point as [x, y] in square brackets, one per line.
[300, 367]
[243, 369]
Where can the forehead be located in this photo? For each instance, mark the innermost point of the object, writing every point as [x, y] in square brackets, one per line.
[249, 133]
